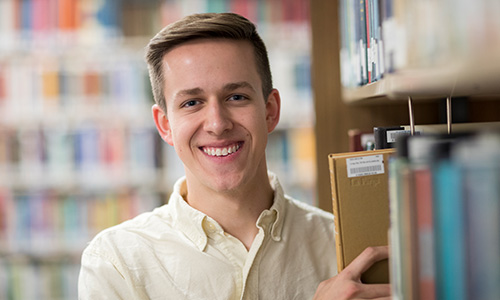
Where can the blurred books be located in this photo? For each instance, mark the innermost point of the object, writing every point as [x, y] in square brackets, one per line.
[445, 215]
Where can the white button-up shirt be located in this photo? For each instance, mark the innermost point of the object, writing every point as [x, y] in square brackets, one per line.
[178, 252]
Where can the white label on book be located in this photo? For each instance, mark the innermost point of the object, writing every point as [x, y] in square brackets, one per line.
[365, 165]
[392, 135]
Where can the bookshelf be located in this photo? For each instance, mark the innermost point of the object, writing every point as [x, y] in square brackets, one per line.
[388, 44]
[339, 108]
[78, 148]
[78, 152]
[445, 189]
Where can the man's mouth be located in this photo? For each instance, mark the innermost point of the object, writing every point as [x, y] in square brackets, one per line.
[221, 151]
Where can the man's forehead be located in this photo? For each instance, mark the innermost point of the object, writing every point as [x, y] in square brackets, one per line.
[205, 43]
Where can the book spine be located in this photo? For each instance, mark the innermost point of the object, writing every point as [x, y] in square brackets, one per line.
[356, 54]
[483, 214]
[396, 237]
[368, 20]
[377, 66]
[425, 227]
[451, 270]
[385, 137]
[362, 41]
[335, 206]
[409, 236]
[479, 159]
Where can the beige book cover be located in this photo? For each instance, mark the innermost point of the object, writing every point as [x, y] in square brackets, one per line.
[360, 195]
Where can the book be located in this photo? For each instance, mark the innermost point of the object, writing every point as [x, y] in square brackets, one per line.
[422, 208]
[397, 164]
[421, 150]
[479, 160]
[385, 137]
[449, 231]
[360, 199]
[408, 238]
[444, 214]
[369, 34]
[456, 128]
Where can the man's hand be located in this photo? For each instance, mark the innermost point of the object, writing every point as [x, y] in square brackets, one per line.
[347, 284]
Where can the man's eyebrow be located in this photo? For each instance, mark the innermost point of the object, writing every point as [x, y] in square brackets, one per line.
[236, 85]
[189, 92]
[228, 88]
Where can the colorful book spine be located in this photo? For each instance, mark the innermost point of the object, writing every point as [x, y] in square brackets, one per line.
[363, 41]
[422, 154]
[425, 227]
[450, 226]
[368, 22]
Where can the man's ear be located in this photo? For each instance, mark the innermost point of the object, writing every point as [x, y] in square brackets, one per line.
[273, 107]
[162, 124]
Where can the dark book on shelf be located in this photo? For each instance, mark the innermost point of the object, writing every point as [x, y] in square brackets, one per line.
[385, 137]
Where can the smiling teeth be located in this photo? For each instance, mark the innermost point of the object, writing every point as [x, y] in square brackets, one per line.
[221, 151]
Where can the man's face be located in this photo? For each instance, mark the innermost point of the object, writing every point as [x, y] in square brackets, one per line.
[217, 118]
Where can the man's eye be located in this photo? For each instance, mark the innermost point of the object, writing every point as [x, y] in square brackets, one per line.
[190, 103]
[237, 97]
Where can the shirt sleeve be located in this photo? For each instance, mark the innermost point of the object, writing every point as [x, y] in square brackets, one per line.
[100, 278]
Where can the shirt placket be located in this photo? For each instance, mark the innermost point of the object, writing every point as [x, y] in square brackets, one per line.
[232, 249]
[251, 268]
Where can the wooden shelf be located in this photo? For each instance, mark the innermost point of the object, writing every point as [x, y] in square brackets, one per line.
[472, 77]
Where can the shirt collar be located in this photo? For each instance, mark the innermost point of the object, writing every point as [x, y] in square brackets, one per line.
[186, 218]
[274, 216]
[191, 221]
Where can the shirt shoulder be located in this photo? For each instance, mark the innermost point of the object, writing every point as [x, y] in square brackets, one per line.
[309, 211]
[140, 230]
[305, 219]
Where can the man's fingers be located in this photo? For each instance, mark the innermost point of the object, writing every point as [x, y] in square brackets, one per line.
[354, 290]
[347, 284]
[375, 291]
[365, 260]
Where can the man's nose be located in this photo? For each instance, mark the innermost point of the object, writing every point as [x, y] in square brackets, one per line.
[217, 118]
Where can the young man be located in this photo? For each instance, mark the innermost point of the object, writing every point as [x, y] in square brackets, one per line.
[228, 231]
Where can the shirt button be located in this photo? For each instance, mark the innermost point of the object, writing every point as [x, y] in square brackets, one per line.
[211, 228]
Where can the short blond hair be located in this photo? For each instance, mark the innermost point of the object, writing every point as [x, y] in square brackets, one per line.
[203, 26]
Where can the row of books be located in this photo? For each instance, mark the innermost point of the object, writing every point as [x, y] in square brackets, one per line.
[61, 22]
[41, 15]
[259, 11]
[444, 195]
[76, 126]
[51, 223]
[97, 154]
[28, 279]
[362, 46]
[55, 22]
[52, 86]
[384, 36]
[294, 85]
[291, 155]
[39, 86]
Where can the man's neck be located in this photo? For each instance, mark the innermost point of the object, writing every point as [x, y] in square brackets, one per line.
[236, 211]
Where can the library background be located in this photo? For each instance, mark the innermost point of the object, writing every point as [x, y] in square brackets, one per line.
[78, 147]
[79, 152]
